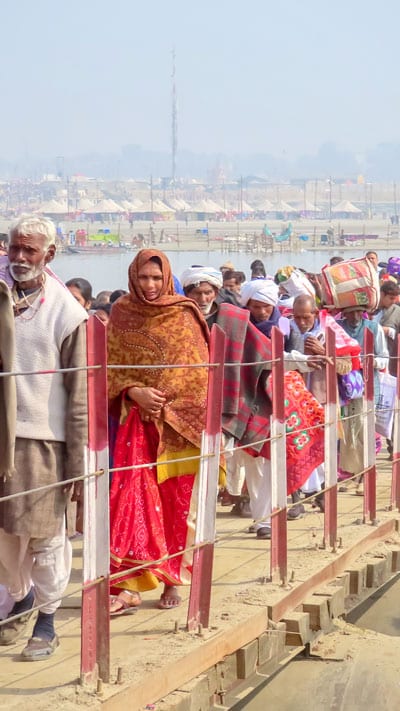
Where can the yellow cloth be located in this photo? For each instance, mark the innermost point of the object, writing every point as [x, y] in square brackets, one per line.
[167, 471]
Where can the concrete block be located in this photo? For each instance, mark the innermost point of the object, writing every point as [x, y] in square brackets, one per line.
[226, 672]
[343, 581]
[358, 577]
[378, 571]
[265, 647]
[198, 693]
[319, 614]
[395, 560]
[335, 599]
[212, 677]
[271, 648]
[279, 629]
[177, 701]
[247, 658]
[298, 630]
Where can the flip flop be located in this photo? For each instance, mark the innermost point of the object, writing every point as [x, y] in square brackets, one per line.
[125, 608]
[176, 600]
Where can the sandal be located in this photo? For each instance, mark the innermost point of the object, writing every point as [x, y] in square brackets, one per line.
[169, 600]
[125, 606]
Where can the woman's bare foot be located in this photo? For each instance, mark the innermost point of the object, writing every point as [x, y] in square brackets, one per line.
[170, 598]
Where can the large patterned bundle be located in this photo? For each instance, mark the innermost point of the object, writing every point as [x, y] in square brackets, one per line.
[352, 283]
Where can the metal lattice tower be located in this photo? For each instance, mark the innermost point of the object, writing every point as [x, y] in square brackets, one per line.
[174, 121]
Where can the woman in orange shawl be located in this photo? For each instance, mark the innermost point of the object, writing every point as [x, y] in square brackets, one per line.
[161, 415]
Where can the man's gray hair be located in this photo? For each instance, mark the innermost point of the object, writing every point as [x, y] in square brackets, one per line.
[35, 225]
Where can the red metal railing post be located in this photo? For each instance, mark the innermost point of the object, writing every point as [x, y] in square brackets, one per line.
[278, 462]
[395, 491]
[330, 435]
[203, 558]
[369, 430]
[95, 633]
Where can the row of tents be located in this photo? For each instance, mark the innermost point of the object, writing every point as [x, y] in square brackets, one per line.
[175, 205]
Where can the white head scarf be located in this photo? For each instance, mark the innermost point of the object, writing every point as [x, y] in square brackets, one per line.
[264, 290]
[298, 284]
[195, 275]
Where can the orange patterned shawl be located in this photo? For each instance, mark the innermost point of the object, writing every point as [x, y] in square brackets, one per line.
[169, 330]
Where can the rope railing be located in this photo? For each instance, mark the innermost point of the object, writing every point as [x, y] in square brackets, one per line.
[194, 458]
[174, 366]
[275, 437]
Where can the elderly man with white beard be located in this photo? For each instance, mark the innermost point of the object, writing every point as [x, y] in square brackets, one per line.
[51, 431]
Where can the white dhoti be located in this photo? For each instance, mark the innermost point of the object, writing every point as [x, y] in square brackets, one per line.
[44, 563]
[314, 481]
[258, 480]
[235, 473]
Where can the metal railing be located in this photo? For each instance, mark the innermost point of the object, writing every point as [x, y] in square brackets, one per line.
[95, 632]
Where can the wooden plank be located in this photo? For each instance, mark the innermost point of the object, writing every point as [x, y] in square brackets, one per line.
[173, 676]
[212, 651]
[329, 572]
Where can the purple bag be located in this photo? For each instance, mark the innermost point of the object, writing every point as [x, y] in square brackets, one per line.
[393, 267]
[351, 386]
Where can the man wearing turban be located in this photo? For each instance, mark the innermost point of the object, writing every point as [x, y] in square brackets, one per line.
[246, 405]
[202, 284]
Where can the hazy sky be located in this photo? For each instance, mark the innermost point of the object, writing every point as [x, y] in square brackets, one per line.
[252, 76]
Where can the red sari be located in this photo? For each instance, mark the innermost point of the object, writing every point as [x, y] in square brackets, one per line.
[152, 509]
[148, 520]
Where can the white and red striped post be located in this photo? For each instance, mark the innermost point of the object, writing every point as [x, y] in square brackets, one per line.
[203, 557]
[330, 441]
[278, 462]
[95, 639]
[395, 491]
[369, 429]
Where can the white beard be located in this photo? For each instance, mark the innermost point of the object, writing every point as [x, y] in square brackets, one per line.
[28, 275]
[206, 308]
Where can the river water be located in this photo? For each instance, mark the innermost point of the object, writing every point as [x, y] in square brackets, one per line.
[109, 271]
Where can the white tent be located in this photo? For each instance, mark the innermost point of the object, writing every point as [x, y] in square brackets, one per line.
[265, 206]
[85, 205]
[243, 207]
[346, 206]
[157, 206]
[179, 204]
[160, 206]
[215, 206]
[53, 207]
[308, 206]
[128, 206]
[106, 206]
[282, 206]
[208, 207]
[134, 204]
